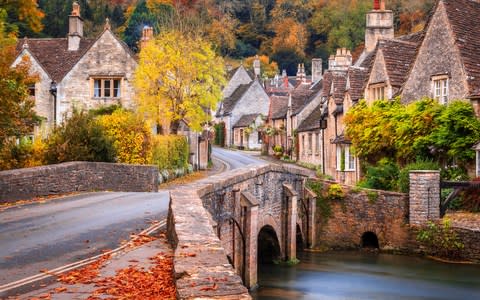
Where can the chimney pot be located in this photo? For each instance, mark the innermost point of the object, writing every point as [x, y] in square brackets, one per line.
[376, 4]
[382, 4]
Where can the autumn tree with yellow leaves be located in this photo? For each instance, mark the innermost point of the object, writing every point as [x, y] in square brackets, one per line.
[179, 78]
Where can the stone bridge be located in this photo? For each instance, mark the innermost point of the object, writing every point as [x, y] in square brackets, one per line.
[260, 214]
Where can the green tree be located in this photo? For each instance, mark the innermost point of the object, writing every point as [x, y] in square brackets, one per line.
[179, 78]
[17, 117]
[24, 16]
[79, 138]
[141, 16]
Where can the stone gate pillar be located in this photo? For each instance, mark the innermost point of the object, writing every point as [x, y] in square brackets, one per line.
[290, 229]
[250, 206]
[424, 197]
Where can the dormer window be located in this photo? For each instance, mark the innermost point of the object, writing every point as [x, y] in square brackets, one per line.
[440, 88]
[107, 87]
[377, 91]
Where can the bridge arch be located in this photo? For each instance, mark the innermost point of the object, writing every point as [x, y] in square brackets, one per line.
[268, 245]
[369, 240]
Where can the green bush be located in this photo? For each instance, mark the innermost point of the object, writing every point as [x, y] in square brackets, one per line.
[26, 153]
[440, 239]
[335, 192]
[323, 203]
[220, 134]
[278, 149]
[170, 152]
[404, 177]
[383, 176]
[79, 138]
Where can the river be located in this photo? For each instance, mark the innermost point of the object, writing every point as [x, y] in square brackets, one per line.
[363, 275]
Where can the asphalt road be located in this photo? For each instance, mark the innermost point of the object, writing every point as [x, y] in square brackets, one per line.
[52, 234]
[44, 236]
[235, 159]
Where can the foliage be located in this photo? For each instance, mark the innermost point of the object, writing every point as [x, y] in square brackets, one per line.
[323, 203]
[382, 176]
[105, 110]
[423, 129]
[268, 68]
[220, 134]
[170, 152]
[440, 239]
[16, 107]
[335, 192]
[79, 138]
[278, 149]
[140, 16]
[25, 154]
[131, 136]
[179, 78]
[404, 175]
[372, 197]
[24, 16]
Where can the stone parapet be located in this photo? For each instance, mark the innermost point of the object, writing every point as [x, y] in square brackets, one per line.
[22, 184]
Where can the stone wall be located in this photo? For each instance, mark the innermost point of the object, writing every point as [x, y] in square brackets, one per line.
[471, 242]
[21, 184]
[360, 211]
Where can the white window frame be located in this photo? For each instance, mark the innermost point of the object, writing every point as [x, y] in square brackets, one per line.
[100, 92]
[440, 88]
[350, 161]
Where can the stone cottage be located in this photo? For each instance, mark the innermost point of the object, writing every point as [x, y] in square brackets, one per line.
[243, 95]
[77, 71]
[246, 133]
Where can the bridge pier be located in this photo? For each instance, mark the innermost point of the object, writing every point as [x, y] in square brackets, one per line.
[250, 211]
[290, 230]
[311, 205]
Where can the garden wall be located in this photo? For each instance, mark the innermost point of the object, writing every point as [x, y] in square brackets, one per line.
[342, 222]
[22, 184]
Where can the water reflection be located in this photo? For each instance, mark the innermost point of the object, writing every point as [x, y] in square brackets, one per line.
[358, 275]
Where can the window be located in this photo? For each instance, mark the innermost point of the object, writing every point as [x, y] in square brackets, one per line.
[377, 92]
[303, 143]
[310, 143]
[440, 89]
[349, 160]
[318, 144]
[31, 90]
[107, 88]
[345, 158]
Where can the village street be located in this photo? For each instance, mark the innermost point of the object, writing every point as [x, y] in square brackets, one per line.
[45, 236]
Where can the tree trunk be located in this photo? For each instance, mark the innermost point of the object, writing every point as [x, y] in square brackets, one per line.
[174, 126]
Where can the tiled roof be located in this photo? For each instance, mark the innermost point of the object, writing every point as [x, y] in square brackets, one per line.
[230, 102]
[53, 54]
[464, 19]
[416, 37]
[233, 71]
[312, 122]
[303, 95]
[357, 78]
[278, 107]
[399, 57]
[339, 81]
[246, 120]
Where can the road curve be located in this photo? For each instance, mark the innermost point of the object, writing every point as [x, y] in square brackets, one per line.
[235, 159]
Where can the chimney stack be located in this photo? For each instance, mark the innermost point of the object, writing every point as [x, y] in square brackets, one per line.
[285, 78]
[75, 28]
[316, 69]
[256, 67]
[147, 35]
[341, 61]
[379, 25]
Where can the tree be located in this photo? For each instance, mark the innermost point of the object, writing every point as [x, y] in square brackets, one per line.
[140, 16]
[17, 117]
[24, 16]
[179, 78]
[268, 68]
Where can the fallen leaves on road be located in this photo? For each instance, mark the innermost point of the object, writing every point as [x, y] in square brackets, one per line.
[5, 205]
[140, 239]
[134, 283]
[86, 274]
[189, 178]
